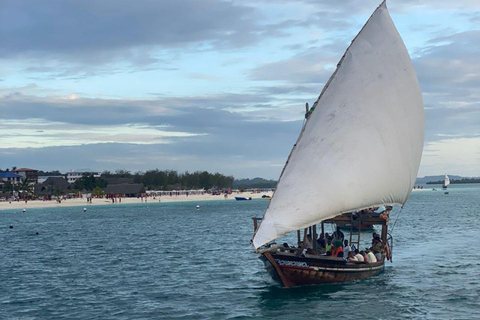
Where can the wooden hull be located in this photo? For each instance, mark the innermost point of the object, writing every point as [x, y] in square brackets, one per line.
[291, 270]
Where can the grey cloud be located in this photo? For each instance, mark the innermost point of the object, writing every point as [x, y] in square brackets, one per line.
[78, 111]
[230, 142]
[450, 66]
[199, 115]
[226, 152]
[96, 31]
[313, 89]
[303, 68]
[449, 74]
[442, 122]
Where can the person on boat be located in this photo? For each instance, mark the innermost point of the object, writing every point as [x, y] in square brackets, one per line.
[321, 243]
[375, 237]
[346, 248]
[339, 234]
[337, 249]
[353, 248]
[365, 256]
[309, 243]
[358, 256]
[371, 256]
[377, 246]
[308, 110]
[352, 257]
[328, 246]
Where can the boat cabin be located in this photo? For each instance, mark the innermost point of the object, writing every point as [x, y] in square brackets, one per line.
[356, 222]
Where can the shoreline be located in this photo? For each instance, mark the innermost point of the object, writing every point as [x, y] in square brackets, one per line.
[81, 202]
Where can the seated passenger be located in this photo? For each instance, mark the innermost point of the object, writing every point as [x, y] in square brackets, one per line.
[308, 243]
[365, 256]
[353, 248]
[346, 248]
[321, 243]
[337, 249]
[328, 246]
[351, 257]
[358, 256]
[371, 256]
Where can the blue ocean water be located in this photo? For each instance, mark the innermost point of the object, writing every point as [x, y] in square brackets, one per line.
[170, 261]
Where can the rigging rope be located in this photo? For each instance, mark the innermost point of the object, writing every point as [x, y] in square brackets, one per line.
[396, 221]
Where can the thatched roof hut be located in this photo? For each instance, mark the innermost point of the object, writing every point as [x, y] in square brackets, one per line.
[125, 189]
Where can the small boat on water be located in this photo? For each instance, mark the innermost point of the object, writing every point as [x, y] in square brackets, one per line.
[360, 147]
[446, 183]
[243, 198]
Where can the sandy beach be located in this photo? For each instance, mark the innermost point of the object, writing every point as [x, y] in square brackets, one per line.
[5, 205]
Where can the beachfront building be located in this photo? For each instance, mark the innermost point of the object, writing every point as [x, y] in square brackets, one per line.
[30, 174]
[73, 176]
[11, 177]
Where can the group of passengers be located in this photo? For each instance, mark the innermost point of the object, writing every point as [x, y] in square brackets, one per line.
[373, 254]
[335, 245]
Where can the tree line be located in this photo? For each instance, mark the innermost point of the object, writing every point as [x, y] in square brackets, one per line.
[173, 180]
[167, 180]
[454, 181]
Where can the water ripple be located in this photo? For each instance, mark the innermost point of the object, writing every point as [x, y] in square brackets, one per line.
[170, 261]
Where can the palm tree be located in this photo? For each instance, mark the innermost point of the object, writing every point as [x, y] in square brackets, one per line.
[27, 189]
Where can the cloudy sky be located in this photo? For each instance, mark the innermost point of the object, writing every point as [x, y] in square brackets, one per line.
[213, 85]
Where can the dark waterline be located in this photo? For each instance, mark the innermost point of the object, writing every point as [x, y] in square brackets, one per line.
[170, 261]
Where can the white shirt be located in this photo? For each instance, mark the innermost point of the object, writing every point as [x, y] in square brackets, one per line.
[359, 257]
[371, 257]
[346, 250]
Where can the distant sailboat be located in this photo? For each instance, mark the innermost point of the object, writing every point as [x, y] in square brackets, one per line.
[359, 148]
[446, 182]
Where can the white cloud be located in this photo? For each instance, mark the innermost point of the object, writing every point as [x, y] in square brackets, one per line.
[452, 156]
[37, 133]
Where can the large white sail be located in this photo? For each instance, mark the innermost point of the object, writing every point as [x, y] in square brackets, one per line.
[362, 145]
[446, 181]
